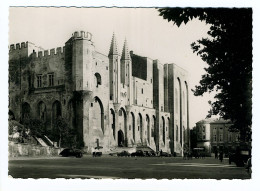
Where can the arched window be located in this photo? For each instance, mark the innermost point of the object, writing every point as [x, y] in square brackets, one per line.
[98, 79]
[42, 111]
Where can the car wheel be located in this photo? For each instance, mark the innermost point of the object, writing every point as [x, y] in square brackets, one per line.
[79, 155]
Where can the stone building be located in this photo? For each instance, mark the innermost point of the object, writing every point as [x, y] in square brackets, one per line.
[215, 134]
[119, 99]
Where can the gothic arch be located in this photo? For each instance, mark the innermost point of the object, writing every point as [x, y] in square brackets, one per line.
[180, 109]
[140, 126]
[187, 112]
[99, 112]
[148, 127]
[112, 122]
[26, 111]
[56, 111]
[41, 111]
[153, 128]
[163, 128]
[122, 115]
[133, 124]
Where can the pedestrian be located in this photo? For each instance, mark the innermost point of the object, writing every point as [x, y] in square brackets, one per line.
[216, 154]
[221, 156]
[161, 153]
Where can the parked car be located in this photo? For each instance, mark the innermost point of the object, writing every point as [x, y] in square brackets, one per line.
[240, 157]
[138, 153]
[165, 154]
[123, 154]
[97, 154]
[71, 152]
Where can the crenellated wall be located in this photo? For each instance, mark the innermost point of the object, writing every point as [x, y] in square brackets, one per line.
[114, 100]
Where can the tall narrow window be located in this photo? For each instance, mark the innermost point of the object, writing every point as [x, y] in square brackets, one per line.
[39, 81]
[51, 79]
[215, 138]
[98, 79]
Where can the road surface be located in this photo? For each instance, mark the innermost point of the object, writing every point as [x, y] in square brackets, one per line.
[124, 167]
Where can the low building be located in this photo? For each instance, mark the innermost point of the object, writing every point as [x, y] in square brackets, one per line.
[215, 135]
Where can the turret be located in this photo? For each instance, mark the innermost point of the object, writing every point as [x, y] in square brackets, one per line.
[126, 71]
[82, 59]
[114, 71]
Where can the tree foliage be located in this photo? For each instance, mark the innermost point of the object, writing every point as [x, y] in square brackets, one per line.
[228, 53]
[35, 126]
[63, 134]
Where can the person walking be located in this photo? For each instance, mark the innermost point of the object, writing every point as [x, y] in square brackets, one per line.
[221, 156]
[216, 154]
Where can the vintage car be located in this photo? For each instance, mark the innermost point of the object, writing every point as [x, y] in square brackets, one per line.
[240, 157]
[71, 152]
[138, 153]
[123, 154]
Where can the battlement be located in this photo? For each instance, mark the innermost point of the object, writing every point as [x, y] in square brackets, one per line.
[51, 52]
[82, 35]
[18, 46]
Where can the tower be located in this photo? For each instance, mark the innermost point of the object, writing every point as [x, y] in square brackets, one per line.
[114, 71]
[82, 59]
[126, 72]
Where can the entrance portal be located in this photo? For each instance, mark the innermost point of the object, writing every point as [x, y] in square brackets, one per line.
[120, 135]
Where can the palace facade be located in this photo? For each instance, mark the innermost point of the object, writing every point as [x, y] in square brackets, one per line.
[119, 99]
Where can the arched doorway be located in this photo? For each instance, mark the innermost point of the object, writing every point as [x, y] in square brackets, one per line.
[122, 123]
[120, 141]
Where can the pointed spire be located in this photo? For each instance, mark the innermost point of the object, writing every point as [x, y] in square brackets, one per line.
[113, 46]
[125, 53]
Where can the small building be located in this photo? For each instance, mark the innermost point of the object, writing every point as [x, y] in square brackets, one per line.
[215, 135]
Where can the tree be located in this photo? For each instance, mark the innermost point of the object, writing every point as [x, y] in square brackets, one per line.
[63, 134]
[35, 127]
[228, 53]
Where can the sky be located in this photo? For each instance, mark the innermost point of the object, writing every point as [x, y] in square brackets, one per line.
[147, 33]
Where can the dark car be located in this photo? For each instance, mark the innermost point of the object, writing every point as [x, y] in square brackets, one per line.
[150, 153]
[165, 154]
[123, 154]
[71, 152]
[240, 158]
[138, 153]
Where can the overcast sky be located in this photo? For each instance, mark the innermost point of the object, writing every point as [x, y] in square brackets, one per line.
[147, 33]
